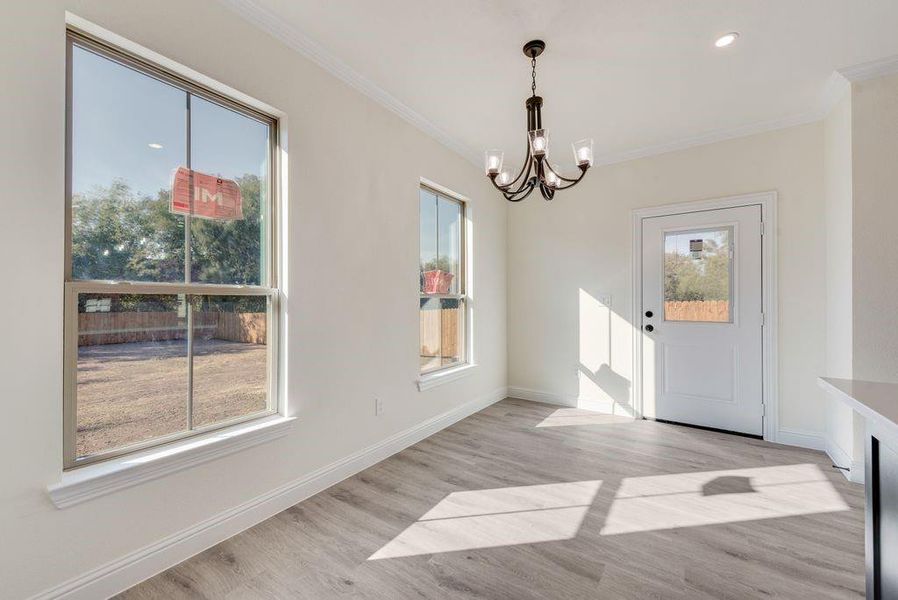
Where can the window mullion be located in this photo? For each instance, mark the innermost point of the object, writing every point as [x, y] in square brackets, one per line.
[188, 274]
[436, 198]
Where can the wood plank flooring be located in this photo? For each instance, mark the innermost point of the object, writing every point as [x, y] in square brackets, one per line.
[522, 501]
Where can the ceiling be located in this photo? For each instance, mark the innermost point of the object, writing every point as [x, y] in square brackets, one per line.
[638, 76]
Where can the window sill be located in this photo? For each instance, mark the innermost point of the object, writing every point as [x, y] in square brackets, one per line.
[103, 478]
[431, 380]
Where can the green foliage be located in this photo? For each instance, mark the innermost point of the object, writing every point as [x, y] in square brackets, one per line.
[441, 263]
[119, 235]
[229, 251]
[688, 279]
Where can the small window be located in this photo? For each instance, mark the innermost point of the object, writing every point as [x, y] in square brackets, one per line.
[698, 269]
[443, 304]
[170, 287]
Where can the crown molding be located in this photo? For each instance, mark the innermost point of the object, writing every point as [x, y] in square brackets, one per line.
[870, 70]
[837, 86]
[295, 39]
[839, 83]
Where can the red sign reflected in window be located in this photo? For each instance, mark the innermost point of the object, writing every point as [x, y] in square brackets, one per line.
[205, 196]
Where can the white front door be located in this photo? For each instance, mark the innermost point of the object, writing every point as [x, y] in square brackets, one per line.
[701, 318]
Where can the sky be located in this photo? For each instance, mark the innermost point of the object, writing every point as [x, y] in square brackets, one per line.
[117, 112]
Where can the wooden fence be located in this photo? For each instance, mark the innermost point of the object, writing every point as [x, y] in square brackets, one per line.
[697, 310]
[439, 332]
[120, 328]
[249, 328]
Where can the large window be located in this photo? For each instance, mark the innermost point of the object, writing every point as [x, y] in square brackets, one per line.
[170, 288]
[442, 281]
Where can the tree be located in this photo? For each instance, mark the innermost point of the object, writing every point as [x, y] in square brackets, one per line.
[705, 278]
[120, 235]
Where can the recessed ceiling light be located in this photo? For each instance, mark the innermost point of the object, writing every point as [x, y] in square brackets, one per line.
[726, 39]
[155, 146]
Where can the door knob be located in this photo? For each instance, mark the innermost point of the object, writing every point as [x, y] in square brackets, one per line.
[649, 328]
[649, 314]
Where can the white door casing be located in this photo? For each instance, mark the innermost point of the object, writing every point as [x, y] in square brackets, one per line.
[704, 368]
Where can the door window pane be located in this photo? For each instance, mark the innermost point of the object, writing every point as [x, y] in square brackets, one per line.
[234, 147]
[131, 381]
[698, 275]
[230, 360]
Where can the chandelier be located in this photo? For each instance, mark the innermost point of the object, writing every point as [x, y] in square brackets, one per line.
[536, 170]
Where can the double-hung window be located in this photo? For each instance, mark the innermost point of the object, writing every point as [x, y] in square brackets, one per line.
[443, 300]
[170, 290]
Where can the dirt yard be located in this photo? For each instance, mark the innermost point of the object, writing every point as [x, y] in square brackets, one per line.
[128, 393]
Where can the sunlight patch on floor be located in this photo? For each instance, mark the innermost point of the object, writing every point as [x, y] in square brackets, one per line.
[496, 517]
[714, 497]
[564, 417]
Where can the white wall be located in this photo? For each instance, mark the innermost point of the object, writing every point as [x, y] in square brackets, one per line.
[351, 305]
[874, 107]
[837, 182]
[567, 255]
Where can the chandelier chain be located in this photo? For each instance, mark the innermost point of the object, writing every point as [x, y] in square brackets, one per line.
[533, 75]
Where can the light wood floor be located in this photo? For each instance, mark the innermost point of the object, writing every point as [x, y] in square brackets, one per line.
[577, 508]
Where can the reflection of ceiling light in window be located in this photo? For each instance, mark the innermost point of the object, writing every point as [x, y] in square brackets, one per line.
[155, 146]
[726, 39]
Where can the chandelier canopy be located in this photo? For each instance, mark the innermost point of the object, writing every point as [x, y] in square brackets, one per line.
[536, 171]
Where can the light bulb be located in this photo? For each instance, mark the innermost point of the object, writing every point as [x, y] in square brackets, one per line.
[551, 178]
[583, 155]
[504, 178]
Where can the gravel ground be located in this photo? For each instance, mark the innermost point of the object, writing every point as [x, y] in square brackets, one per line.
[128, 393]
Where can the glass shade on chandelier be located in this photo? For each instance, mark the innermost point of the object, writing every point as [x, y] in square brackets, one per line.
[583, 152]
[493, 161]
[536, 171]
[539, 142]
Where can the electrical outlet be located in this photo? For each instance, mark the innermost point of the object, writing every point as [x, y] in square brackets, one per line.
[378, 407]
[606, 301]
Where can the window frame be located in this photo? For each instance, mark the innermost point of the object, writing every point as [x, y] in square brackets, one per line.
[463, 284]
[73, 287]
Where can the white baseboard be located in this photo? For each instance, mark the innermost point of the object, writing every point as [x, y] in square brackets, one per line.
[602, 406]
[820, 441]
[538, 396]
[842, 458]
[803, 439]
[119, 575]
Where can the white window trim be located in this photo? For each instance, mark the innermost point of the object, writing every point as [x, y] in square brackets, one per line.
[98, 479]
[443, 376]
[92, 481]
[431, 379]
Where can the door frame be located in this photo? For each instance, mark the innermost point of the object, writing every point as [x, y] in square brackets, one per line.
[768, 203]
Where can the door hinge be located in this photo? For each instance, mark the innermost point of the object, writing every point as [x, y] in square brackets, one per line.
[763, 409]
[763, 319]
[762, 227]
